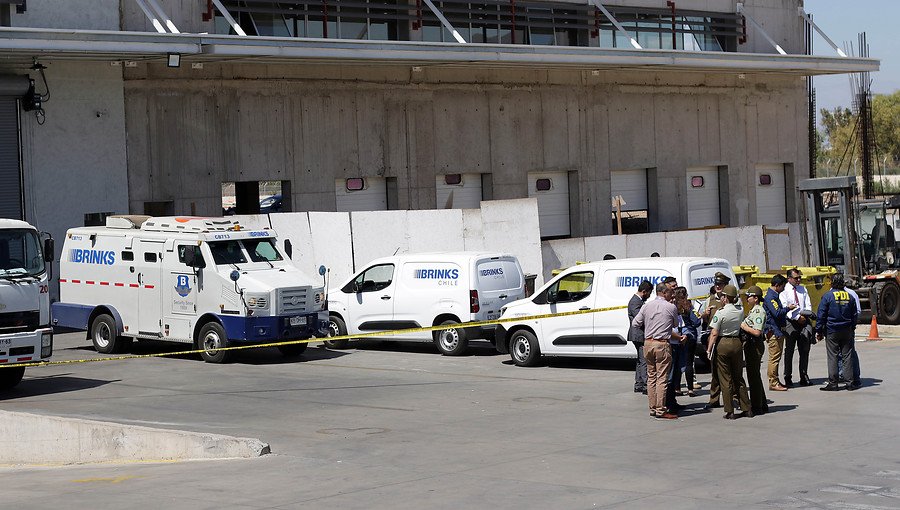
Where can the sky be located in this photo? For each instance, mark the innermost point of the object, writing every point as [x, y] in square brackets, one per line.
[843, 20]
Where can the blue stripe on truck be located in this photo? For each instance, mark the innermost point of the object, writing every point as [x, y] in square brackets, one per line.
[271, 328]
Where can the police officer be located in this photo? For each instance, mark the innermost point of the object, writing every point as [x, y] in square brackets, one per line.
[754, 348]
[836, 321]
[729, 357]
[776, 318]
[713, 303]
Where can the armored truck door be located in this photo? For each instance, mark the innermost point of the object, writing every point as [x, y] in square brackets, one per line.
[148, 261]
[180, 291]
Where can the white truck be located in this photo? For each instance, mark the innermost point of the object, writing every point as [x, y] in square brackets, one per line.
[25, 332]
[427, 289]
[207, 282]
[609, 283]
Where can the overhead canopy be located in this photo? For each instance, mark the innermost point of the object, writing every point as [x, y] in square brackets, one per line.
[21, 45]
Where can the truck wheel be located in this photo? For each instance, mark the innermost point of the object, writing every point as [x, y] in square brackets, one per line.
[10, 377]
[104, 335]
[336, 327]
[524, 349]
[292, 350]
[213, 337]
[451, 342]
[888, 295]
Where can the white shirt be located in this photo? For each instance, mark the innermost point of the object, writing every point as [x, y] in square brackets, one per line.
[802, 301]
[855, 297]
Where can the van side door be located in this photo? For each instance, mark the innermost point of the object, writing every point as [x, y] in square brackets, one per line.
[572, 333]
[370, 306]
[149, 273]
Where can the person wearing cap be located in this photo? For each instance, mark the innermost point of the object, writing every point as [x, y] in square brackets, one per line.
[798, 331]
[713, 304]
[729, 358]
[836, 322]
[754, 348]
[776, 318]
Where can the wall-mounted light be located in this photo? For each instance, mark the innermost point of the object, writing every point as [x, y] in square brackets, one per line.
[174, 60]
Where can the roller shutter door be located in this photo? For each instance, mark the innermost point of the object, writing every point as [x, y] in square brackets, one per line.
[10, 176]
[361, 194]
[703, 197]
[632, 185]
[466, 194]
[552, 192]
[770, 190]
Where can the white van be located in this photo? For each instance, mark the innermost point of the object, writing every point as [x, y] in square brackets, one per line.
[428, 289]
[201, 281]
[603, 284]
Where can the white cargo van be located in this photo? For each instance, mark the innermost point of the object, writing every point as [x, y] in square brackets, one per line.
[594, 285]
[201, 281]
[428, 289]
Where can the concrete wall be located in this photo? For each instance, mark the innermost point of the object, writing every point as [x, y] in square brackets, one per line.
[69, 14]
[740, 246]
[190, 130]
[345, 242]
[187, 15]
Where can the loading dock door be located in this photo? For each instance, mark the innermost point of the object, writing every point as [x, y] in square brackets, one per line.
[10, 178]
[632, 185]
[770, 190]
[703, 197]
[458, 191]
[552, 192]
[361, 194]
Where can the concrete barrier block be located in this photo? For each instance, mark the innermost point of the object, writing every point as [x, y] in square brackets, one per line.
[378, 234]
[332, 245]
[595, 248]
[561, 253]
[436, 230]
[644, 245]
[721, 243]
[38, 439]
[473, 230]
[252, 221]
[799, 256]
[750, 249]
[687, 243]
[512, 226]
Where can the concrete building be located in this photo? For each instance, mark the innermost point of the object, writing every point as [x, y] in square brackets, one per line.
[695, 113]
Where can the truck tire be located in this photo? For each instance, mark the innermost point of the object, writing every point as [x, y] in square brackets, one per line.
[451, 342]
[524, 349]
[292, 350]
[105, 337]
[213, 337]
[10, 377]
[336, 327]
[888, 295]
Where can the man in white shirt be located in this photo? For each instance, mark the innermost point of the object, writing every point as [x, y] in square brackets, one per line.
[799, 332]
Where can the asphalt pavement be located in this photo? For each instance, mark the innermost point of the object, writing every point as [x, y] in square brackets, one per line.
[395, 425]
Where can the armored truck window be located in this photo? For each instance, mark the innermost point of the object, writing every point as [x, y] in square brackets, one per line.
[127, 255]
[181, 253]
[227, 252]
[374, 279]
[149, 257]
[262, 250]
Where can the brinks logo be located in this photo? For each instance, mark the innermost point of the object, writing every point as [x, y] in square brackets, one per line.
[497, 271]
[184, 286]
[437, 274]
[634, 281]
[706, 280]
[102, 257]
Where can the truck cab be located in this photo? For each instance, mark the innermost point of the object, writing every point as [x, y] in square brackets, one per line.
[202, 281]
[25, 332]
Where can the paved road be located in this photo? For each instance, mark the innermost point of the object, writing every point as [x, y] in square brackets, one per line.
[398, 426]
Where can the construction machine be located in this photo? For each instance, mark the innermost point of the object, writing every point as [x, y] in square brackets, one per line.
[857, 237]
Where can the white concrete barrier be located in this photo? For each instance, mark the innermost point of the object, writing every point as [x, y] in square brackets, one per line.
[33, 439]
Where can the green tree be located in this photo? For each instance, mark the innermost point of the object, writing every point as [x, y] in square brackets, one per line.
[839, 127]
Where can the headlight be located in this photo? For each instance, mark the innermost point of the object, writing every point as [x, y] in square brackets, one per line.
[258, 301]
[46, 339]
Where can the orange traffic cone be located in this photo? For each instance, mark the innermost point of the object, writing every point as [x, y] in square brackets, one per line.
[873, 331]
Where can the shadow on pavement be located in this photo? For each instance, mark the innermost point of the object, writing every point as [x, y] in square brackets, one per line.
[475, 348]
[52, 384]
[257, 356]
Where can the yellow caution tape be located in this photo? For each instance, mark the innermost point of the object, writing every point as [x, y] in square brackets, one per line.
[396, 332]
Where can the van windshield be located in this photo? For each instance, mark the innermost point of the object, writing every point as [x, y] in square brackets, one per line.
[20, 253]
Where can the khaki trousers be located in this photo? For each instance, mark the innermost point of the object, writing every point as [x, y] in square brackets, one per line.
[730, 363]
[776, 347]
[659, 362]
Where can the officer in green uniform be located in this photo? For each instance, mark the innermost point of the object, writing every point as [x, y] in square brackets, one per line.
[729, 357]
[713, 304]
[754, 349]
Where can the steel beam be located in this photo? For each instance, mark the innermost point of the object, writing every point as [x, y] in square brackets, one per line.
[151, 16]
[743, 12]
[237, 28]
[616, 23]
[444, 22]
[159, 10]
[809, 20]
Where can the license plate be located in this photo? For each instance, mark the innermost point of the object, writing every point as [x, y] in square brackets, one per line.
[298, 321]
[492, 316]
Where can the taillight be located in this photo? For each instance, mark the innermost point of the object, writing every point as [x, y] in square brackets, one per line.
[473, 301]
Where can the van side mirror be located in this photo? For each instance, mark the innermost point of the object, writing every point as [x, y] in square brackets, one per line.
[48, 250]
[551, 297]
[192, 258]
[289, 249]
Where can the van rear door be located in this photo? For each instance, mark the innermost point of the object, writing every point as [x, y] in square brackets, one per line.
[700, 277]
[498, 280]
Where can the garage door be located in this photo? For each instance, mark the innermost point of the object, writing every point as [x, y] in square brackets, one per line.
[552, 192]
[703, 196]
[632, 186]
[458, 191]
[770, 190]
[10, 181]
[360, 194]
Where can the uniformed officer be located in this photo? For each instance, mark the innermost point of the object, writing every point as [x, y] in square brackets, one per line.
[836, 321]
[713, 304]
[754, 348]
[776, 318]
[729, 357]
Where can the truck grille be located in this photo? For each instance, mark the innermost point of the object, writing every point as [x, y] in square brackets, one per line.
[294, 300]
[16, 322]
